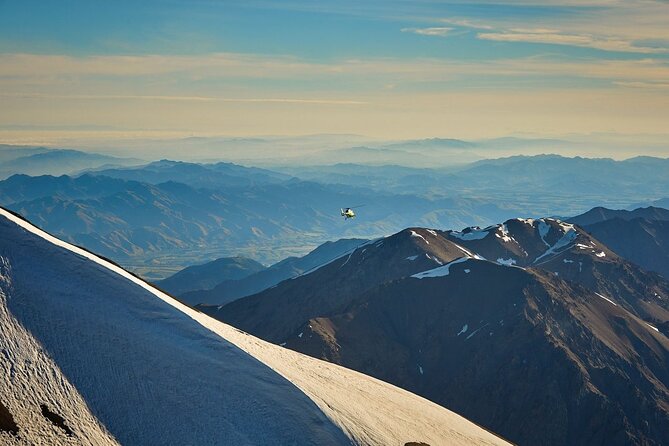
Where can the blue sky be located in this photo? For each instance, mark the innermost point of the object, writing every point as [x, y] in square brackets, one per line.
[391, 69]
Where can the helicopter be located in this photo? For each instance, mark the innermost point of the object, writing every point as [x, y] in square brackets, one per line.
[348, 212]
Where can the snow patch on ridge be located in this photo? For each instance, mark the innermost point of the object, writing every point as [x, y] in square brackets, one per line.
[415, 234]
[544, 228]
[607, 299]
[506, 262]
[474, 234]
[505, 233]
[434, 259]
[440, 271]
[568, 237]
[654, 328]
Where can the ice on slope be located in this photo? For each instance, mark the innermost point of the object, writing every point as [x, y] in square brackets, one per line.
[505, 234]
[155, 371]
[474, 234]
[417, 235]
[653, 327]
[543, 228]
[440, 271]
[607, 299]
[506, 262]
[468, 253]
[569, 235]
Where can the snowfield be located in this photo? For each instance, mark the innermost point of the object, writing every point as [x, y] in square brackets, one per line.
[120, 362]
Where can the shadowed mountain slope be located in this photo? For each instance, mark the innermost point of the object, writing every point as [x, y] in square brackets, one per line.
[532, 328]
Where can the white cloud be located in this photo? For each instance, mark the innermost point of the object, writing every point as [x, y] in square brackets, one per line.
[535, 30]
[581, 40]
[466, 23]
[648, 85]
[610, 25]
[114, 75]
[433, 31]
[185, 98]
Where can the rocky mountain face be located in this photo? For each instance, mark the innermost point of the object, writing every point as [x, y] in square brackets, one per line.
[573, 254]
[92, 355]
[277, 312]
[640, 236]
[532, 328]
[641, 241]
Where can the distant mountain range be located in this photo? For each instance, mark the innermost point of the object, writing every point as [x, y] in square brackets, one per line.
[533, 328]
[95, 356]
[43, 161]
[538, 177]
[162, 216]
[173, 224]
[209, 176]
[227, 289]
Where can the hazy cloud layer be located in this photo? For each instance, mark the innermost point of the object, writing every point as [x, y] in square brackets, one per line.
[380, 68]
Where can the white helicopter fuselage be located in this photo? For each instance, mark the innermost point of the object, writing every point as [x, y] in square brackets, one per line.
[347, 213]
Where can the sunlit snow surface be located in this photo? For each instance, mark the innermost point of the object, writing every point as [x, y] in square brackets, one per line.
[417, 235]
[153, 371]
[440, 271]
[569, 234]
[471, 235]
[606, 299]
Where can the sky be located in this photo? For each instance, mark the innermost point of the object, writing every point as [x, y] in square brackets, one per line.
[386, 69]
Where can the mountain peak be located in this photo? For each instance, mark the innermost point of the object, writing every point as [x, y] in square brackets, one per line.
[495, 321]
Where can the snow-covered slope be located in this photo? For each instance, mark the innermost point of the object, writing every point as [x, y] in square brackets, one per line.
[94, 355]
